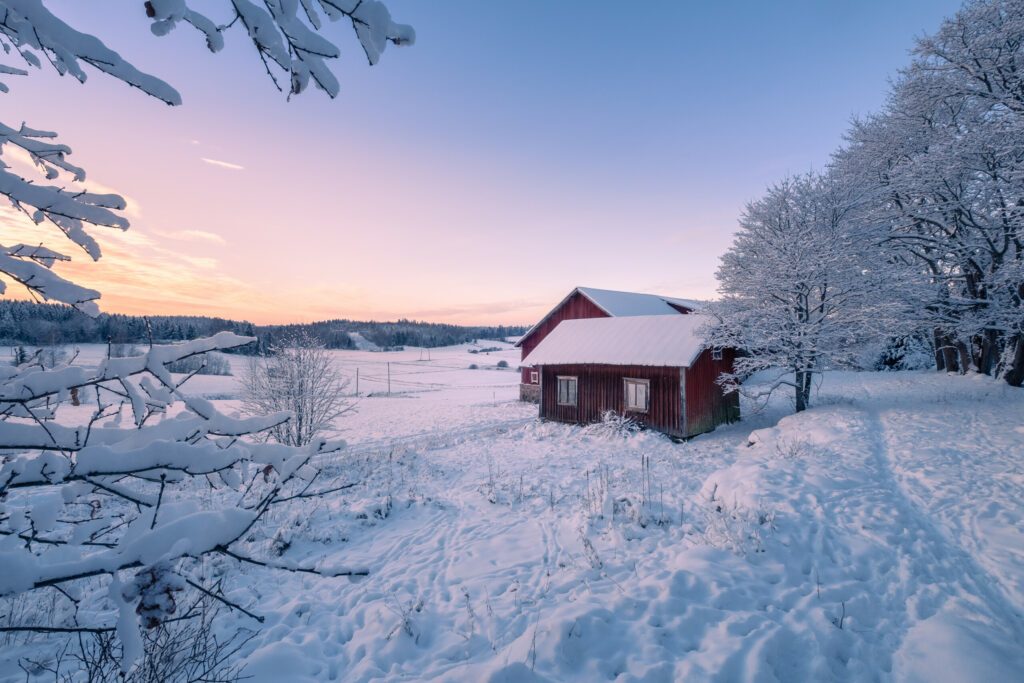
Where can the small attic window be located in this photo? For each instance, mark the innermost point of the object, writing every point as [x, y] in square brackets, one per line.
[534, 377]
[716, 354]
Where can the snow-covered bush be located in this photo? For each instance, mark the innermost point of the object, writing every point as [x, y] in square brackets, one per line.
[123, 350]
[906, 352]
[45, 358]
[187, 649]
[204, 364]
[735, 528]
[110, 507]
[613, 424]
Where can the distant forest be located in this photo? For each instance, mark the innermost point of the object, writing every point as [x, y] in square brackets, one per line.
[25, 322]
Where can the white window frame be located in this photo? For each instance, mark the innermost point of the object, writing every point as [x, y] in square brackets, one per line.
[534, 377]
[634, 407]
[716, 354]
[575, 383]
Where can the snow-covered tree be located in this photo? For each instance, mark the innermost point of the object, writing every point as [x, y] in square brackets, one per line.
[297, 376]
[286, 35]
[800, 290]
[102, 507]
[945, 162]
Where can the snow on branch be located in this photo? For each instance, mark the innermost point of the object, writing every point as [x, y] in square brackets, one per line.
[287, 38]
[286, 33]
[84, 505]
[69, 211]
[31, 30]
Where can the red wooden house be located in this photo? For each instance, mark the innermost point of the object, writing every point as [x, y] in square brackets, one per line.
[652, 368]
[588, 302]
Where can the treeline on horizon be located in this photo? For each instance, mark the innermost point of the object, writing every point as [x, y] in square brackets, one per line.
[39, 324]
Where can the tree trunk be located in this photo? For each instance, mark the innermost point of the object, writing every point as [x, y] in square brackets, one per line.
[1015, 374]
[949, 355]
[940, 354]
[990, 348]
[965, 357]
[801, 399]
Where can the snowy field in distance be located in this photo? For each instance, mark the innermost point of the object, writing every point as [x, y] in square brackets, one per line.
[433, 391]
[877, 536]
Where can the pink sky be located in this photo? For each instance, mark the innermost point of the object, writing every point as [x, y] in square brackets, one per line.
[471, 178]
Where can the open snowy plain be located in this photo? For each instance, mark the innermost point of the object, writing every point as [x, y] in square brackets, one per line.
[878, 536]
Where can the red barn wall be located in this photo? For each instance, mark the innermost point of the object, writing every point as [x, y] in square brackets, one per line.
[600, 389]
[706, 405]
[575, 307]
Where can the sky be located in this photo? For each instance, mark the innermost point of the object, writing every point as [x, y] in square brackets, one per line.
[517, 150]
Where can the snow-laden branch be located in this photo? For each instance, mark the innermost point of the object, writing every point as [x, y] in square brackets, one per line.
[33, 31]
[286, 34]
[287, 37]
[78, 503]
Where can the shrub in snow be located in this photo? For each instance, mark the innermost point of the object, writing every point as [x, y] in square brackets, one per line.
[474, 366]
[502, 363]
[43, 358]
[109, 507]
[123, 350]
[187, 649]
[204, 364]
[620, 425]
[299, 376]
[735, 528]
[906, 352]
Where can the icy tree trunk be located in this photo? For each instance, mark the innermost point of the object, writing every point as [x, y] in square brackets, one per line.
[1015, 375]
[940, 352]
[964, 356]
[803, 384]
[990, 348]
[950, 359]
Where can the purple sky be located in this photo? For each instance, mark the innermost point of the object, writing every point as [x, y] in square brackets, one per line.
[517, 150]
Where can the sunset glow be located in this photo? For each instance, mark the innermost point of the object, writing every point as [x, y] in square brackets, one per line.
[469, 178]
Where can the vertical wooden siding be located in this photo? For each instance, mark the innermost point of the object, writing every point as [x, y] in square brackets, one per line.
[706, 405]
[600, 388]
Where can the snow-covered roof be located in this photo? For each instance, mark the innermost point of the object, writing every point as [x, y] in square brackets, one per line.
[621, 304]
[655, 340]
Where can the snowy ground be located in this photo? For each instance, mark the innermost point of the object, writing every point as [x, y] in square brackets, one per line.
[877, 536]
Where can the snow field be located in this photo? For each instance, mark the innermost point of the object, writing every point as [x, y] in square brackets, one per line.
[875, 537]
[799, 557]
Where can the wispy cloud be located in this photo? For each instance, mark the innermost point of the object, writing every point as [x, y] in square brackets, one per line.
[137, 274]
[191, 235]
[223, 164]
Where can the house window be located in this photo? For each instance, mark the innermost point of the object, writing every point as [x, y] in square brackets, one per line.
[566, 391]
[534, 377]
[716, 354]
[638, 395]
